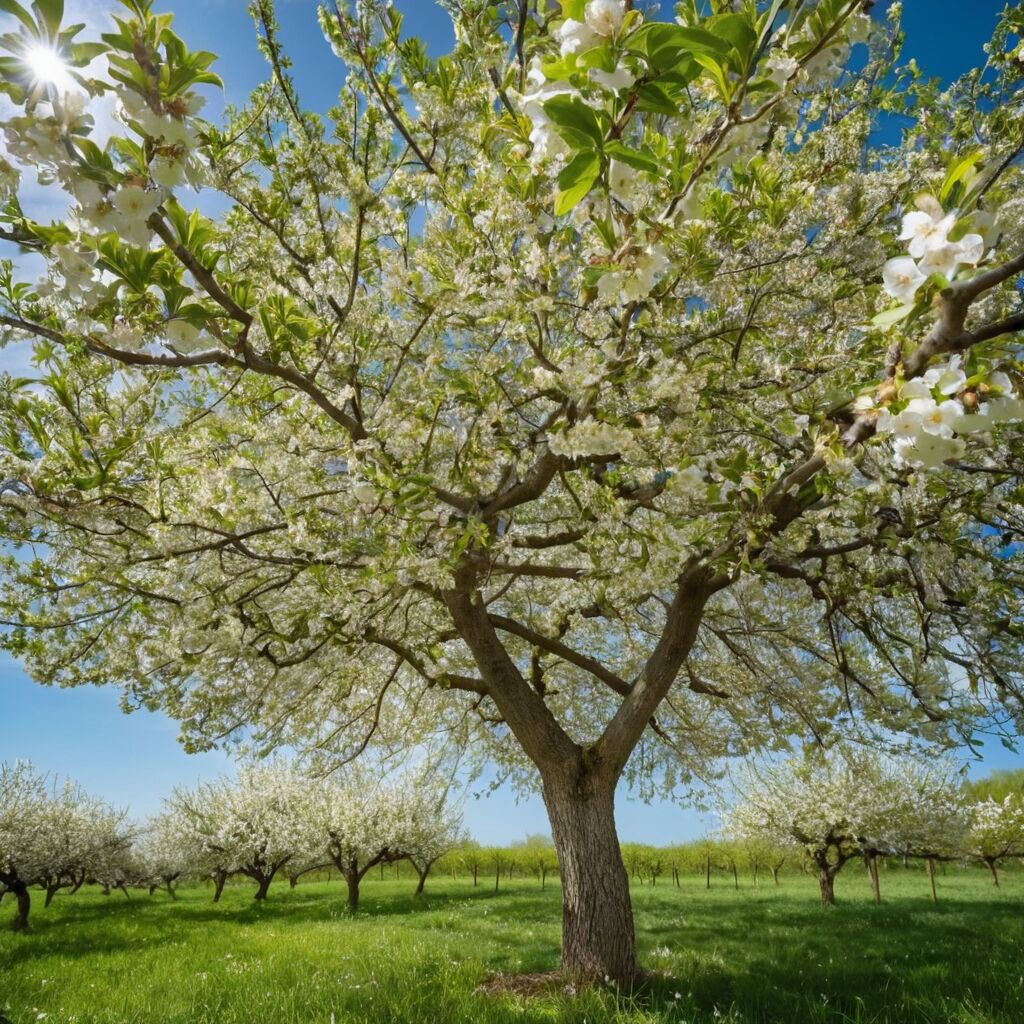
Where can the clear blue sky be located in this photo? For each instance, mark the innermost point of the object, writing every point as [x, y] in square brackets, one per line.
[134, 759]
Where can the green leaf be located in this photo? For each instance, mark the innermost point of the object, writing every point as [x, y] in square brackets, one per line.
[893, 316]
[50, 14]
[632, 157]
[571, 115]
[737, 31]
[14, 8]
[575, 9]
[576, 180]
[656, 98]
[961, 170]
[79, 54]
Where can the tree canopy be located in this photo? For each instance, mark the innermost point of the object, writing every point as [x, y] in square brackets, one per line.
[605, 396]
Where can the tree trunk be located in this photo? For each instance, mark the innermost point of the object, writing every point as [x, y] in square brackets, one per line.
[352, 878]
[219, 879]
[707, 872]
[543, 877]
[23, 905]
[929, 865]
[775, 874]
[262, 886]
[827, 882]
[598, 939]
[991, 862]
[873, 875]
[476, 874]
[736, 877]
[51, 891]
[422, 879]
[171, 891]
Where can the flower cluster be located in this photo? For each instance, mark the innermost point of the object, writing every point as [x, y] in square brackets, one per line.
[927, 231]
[940, 407]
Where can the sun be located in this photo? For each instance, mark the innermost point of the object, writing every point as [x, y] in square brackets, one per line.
[47, 66]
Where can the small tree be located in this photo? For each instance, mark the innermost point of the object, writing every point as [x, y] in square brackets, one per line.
[253, 825]
[24, 855]
[433, 826]
[538, 855]
[817, 804]
[363, 821]
[996, 831]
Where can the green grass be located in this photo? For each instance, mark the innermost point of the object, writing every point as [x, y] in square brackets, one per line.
[720, 957]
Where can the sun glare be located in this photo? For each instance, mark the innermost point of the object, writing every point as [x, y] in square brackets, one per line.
[47, 66]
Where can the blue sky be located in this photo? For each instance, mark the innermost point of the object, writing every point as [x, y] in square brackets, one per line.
[134, 759]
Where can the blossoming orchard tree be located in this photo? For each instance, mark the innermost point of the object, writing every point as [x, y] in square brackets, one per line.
[253, 825]
[844, 804]
[362, 820]
[603, 396]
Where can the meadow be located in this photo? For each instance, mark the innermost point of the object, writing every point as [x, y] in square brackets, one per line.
[718, 956]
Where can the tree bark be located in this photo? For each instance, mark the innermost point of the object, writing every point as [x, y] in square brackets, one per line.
[352, 878]
[827, 882]
[219, 878]
[51, 891]
[422, 879]
[263, 886]
[707, 871]
[930, 868]
[23, 904]
[775, 874]
[991, 862]
[598, 940]
[873, 875]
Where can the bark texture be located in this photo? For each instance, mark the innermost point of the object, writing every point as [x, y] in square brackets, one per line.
[827, 883]
[598, 940]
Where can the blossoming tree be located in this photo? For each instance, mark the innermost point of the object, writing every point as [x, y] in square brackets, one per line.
[365, 820]
[253, 825]
[54, 835]
[845, 804]
[581, 396]
[996, 831]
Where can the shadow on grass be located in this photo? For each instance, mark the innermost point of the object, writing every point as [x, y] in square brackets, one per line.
[772, 957]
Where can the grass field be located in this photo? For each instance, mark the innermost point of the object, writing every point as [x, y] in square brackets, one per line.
[757, 955]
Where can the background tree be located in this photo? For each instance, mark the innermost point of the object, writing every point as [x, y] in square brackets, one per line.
[996, 831]
[548, 397]
[821, 804]
[539, 857]
[23, 853]
[253, 825]
[363, 820]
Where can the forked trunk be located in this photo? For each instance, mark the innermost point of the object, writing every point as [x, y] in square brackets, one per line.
[598, 940]
[422, 879]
